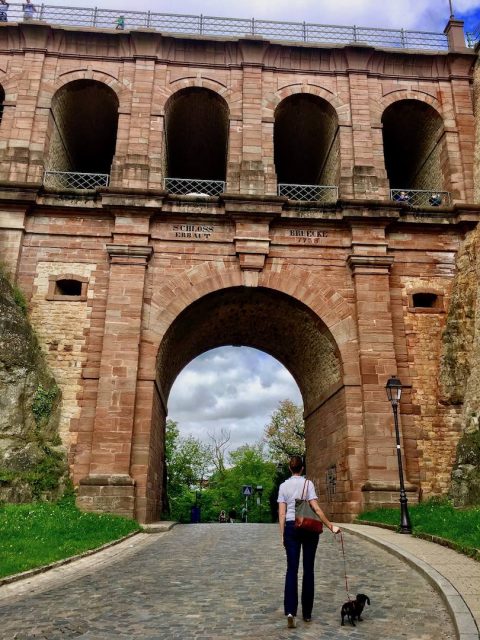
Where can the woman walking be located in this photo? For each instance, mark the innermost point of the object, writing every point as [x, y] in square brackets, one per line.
[296, 540]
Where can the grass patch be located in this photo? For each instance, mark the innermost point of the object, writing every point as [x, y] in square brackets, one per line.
[33, 535]
[437, 518]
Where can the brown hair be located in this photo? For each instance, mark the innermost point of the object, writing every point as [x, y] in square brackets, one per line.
[295, 464]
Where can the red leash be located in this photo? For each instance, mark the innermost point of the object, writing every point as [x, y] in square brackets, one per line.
[345, 567]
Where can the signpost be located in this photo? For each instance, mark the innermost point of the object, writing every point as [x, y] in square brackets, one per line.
[247, 492]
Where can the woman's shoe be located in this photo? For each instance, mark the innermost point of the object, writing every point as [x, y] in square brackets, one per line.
[291, 622]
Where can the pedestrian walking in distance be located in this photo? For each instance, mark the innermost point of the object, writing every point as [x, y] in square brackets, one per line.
[297, 540]
[29, 10]
[3, 11]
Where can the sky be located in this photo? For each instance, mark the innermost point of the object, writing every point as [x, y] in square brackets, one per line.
[423, 15]
[236, 388]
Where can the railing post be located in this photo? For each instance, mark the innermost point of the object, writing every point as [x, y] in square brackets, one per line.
[148, 19]
[402, 36]
[201, 24]
[354, 33]
[304, 32]
[42, 8]
[94, 21]
[253, 26]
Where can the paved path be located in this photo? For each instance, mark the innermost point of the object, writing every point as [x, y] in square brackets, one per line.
[457, 575]
[218, 582]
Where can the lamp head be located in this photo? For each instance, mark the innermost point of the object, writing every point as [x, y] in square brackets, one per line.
[394, 390]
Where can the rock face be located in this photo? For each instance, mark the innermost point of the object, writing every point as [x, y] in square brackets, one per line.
[460, 370]
[32, 464]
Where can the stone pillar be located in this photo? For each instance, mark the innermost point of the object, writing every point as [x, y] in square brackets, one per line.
[369, 177]
[252, 170]
[12, 230]
[370, 267]
[456, 35]
[109, 485]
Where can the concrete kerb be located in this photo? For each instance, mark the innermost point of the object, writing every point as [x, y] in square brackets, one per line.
[463, 619]
[158, 527]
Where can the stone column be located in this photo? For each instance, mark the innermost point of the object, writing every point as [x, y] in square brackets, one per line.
[252, 169]
[369, 177]
[370, 267]
[109, 485]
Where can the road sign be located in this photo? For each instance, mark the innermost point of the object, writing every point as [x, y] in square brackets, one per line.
[247, 490]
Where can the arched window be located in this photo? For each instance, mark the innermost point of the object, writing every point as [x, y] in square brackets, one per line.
[196, 133]
[82, 134]
[415, 153]
[67, 287]
[306, 148]
[426, 302]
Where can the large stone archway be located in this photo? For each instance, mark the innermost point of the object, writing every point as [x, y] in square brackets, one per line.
[281, 326]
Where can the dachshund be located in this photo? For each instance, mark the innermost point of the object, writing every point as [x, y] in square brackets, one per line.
[353, 608]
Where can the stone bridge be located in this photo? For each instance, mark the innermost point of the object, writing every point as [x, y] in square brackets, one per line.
[162, 195]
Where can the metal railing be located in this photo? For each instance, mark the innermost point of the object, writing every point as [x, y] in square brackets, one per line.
[234, 27]
[421, 198]
[75, 180]
[309, 192]
[473, 37]
[199, 188]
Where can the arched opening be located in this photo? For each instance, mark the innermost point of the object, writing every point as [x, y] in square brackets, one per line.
[196, 139]
[415, 152]
[306, 148]
[82, 135]
[218, 411]
[284, 328]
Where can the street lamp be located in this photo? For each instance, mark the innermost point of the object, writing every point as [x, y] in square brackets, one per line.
[394, 392]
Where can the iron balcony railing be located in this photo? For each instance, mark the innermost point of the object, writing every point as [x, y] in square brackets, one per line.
[199, 188]
[421, 197]
[75, 180]
[233, 27]
[309, 192]
[473, 37]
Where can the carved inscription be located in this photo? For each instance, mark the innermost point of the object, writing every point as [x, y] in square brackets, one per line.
[193, 231]
[307, 236]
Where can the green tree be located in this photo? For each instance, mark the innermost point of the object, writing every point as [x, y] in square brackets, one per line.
[188, 463]
[249, 466]
[285, 433]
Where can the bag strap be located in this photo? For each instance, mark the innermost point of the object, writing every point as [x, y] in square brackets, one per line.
[304, 492]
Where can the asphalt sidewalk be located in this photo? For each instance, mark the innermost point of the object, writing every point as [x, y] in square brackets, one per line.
[455, 576]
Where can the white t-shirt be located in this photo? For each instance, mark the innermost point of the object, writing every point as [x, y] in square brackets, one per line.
[293, 489]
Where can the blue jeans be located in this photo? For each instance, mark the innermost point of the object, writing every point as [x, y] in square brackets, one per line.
[296, 540]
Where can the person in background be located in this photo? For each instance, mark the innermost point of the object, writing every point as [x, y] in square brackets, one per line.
[3, 11]
[29, 10]
[435, 200]
[120, 23]
[296, 540]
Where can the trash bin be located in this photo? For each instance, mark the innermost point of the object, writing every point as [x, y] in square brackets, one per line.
[195, 515]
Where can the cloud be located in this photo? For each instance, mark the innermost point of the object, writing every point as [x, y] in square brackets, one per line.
[236, 388]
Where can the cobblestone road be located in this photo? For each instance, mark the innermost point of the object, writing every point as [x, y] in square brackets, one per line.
[219, 582]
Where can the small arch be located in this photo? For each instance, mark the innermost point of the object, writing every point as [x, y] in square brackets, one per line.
[196, 134]
[82, 131]
[67, 287]
[425, 301]
[414, 146]
[306, 141]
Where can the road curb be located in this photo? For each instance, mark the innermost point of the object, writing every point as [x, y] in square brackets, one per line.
[461, 615]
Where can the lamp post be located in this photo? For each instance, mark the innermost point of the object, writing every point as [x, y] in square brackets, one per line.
[394, 392]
